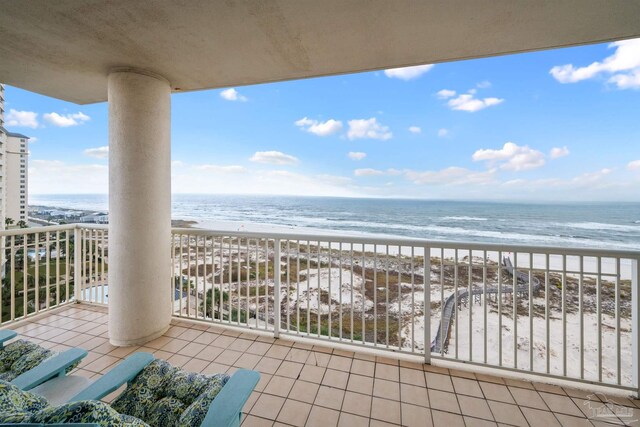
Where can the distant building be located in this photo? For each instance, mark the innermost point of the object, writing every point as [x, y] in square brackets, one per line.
[16, 176]
[14, 165]
[3, 145]
[96, 218]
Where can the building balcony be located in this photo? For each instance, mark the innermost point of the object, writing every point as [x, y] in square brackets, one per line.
[306, 383]
[347, 344]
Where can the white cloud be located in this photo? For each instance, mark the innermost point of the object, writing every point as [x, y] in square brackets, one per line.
[443, 132]
[32, 139]
[273, 158]
[511, 157]
[232, 95]
[356, 155]
[594, 176]
[368, 128]
[446, 93]
[451, 176]
[483, 85]
[368, 172]
[468, 102]
[228, 169]
[557, 152]
[50, 176]
[66, 120]
[376, 172]
[316, 127]
[98, 152]
[408, 73]
[634, 165]
[27, 119]
[415, 129]
[623, 67]
[177, 164]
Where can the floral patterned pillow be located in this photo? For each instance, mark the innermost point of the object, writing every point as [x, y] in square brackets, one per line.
[18, 406]
[165, 396]
[20, 356]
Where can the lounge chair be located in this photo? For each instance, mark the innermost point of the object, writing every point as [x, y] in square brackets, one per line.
[27, 365]
[157, 394]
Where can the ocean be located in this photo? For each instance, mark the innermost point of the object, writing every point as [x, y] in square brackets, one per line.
[596, 225]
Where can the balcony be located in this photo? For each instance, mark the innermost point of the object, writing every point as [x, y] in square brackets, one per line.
[338, 327]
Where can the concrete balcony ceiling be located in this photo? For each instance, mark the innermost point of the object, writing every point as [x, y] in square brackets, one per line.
[66, 48]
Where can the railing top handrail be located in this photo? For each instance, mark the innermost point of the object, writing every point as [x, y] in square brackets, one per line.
[32, 230]
[327, 237]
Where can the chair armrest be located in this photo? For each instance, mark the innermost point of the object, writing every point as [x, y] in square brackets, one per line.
[124, 372]
[6, 335]
[55, 366]
[226, 408]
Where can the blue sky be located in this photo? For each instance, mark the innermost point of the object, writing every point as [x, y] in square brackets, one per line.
[552, 125]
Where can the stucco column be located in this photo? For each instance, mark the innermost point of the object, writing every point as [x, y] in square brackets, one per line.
[139, 206]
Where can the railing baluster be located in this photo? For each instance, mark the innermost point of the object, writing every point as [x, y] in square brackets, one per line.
[319, 290]
[13, 277]
[25, 274]
[364, 294]
[530, 311]
[546, 316]
[67, 271]
[564, 315]
[276, 288]
[617, 314]
[457, 303]
[514, 294]
[599, 315]
[399, 297]
[36, 275]
[298, 288]
[386, 305]
[470, 302]
[442, 303]
[426, 281]
[484, 304]
[581, 311]
[500, 260]
[57, 268]
[635, 326]
[375, 295]
[289, 288]
[351, 281]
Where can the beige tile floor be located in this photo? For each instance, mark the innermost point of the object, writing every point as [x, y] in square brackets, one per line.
[311, 385]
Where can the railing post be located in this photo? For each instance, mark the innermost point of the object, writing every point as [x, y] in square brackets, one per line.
[77, 256]
[426, 281]
[635, 322]
[276, 291]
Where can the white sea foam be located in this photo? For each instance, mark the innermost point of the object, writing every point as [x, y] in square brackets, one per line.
[464, 218]
[602, 226]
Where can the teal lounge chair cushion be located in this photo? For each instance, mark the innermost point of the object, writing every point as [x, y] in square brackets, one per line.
[163, 395]
[20, 356]
[18, 406]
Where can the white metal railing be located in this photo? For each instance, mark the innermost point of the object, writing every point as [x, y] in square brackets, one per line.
[63, 263]
[555, 312]
[37, 269]
[93, 266]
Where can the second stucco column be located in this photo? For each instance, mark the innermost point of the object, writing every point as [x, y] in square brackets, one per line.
[139, 206]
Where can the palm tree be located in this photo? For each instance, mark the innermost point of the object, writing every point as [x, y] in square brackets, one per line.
[22, 224]
[8, 221]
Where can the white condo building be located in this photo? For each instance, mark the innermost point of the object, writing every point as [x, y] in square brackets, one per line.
[14, 164]
[3, 145]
